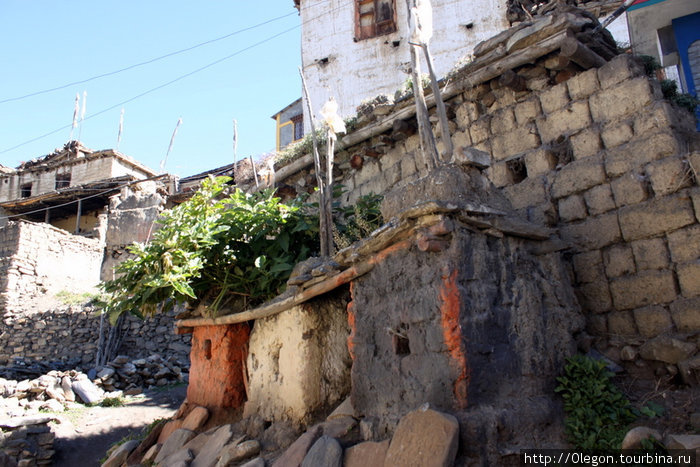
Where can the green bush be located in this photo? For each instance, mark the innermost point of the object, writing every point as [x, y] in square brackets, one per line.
[352, 223]
[669, 88]
[597, 413]
[214, 247]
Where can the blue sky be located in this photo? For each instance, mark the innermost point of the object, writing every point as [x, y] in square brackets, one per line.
[49, 43]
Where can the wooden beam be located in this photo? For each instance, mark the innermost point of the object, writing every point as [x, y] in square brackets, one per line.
[77, 219]
[578, 53]
[276, 307]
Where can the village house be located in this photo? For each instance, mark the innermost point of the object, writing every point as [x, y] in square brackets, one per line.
[669, 30]
[357, 50]
[68, 188]
[289, 125]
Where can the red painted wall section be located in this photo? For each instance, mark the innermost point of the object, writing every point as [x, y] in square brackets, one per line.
[351, 322]
[218, 376]
[450, 307]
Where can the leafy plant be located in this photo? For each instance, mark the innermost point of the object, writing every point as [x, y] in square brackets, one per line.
[597, 413]
[651, 64]
[220, 248]
[112, 402]
[682, 100]
[355, 222]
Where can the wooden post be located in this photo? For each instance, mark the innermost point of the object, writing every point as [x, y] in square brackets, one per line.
[255, 172]
[47, 215]
[442, 113]
[77, 220]
[324, 226]
[328, 202]
[427, 140]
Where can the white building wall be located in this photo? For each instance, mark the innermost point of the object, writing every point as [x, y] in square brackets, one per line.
[359, 70]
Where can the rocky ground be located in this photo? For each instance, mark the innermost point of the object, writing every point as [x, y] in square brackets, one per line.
[69, 417]
[83, 436]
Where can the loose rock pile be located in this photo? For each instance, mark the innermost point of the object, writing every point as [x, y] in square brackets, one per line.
[28, 441]
[338, 441]
[56, 388]
[132, 376]
[25, 436]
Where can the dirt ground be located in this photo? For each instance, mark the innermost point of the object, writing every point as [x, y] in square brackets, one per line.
[84, 435]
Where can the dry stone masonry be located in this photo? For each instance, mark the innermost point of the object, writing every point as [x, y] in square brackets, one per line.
[593, 150]
[38, 258]
[69, 334]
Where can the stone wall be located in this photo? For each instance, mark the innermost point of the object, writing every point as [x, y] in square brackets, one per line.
[69, 334]
[479, 321]
[130, 219]
[598, 154]
[38, 258]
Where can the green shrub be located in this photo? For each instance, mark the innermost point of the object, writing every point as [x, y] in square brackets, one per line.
[214, 247]
[112, 402]
[597, 413]
[669, 88]
[352, 223]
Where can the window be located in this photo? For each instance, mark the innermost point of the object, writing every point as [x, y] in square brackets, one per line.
[62, 181]
[374, 18]
[298, 122]
[25, 190]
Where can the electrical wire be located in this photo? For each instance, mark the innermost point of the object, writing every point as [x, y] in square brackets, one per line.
[119, 187]
[161, 86]
[147, 62]
[209, 65]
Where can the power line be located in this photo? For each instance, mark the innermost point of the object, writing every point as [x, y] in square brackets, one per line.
[209, 65]
[181, 77]
[119, 187]
[147, 62]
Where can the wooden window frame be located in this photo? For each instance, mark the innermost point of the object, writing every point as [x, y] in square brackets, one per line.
[25, 190]
[62, 180]
[298, 129]
[375, 28]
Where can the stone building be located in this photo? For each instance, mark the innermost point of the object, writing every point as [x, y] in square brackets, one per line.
[68, 188]
[357, 50]
[65, 222]
[573, 187]
[289, 125]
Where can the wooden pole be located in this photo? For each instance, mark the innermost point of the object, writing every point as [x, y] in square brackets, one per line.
[77, 219]
[442, 113]
[324, 227]
[427, 140]
[255, 172]
[328, 202]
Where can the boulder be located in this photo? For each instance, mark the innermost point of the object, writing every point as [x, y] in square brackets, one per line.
[175, 443]
[119, 455]
[87, 391]
[209, 454]
[666, 349]
[688, 442]
[259, 462]
[295, 454]
[424, 437]
[326, 451]
[238, 452]
[633, 439]
[367, 454]
[196, 419]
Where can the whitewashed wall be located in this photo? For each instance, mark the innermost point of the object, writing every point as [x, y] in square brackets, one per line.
[364, 69]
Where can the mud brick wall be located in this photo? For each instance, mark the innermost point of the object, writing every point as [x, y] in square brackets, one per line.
[598, 154]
